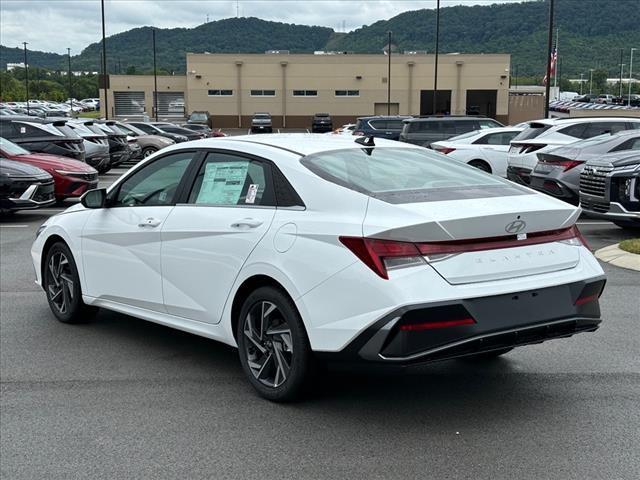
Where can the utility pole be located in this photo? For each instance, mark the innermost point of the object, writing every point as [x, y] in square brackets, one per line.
[26, 74]
[581, 82]
[389, 76]
[630, 77]
[69, 73]
[435, 67]
[547, 86]
[155, 78]
[590, 81]
[621, 69]
[105, 75]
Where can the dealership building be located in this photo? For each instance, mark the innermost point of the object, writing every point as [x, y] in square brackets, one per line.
[293, 87]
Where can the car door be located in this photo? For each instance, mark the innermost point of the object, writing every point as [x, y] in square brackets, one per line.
[207, 239]
[121, 243]
[496, 150]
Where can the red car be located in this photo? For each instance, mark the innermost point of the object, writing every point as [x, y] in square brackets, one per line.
[72, 178]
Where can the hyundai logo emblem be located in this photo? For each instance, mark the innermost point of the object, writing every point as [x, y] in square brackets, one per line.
[515, 227]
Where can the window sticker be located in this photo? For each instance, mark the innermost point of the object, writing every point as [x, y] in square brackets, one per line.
[223, 182]
[251, 193]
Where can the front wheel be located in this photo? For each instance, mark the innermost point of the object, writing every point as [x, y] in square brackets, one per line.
[148, 151]
[62, 285]
[481, 165]
[273, 346]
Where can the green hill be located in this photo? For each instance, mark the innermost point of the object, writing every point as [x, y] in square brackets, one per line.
[591, 35]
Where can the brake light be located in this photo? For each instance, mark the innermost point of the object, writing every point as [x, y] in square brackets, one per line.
[384, 255]
[564, 163]
[445, 150]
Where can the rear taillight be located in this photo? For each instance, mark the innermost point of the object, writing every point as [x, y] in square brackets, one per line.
[444, 150]
[384, 255]
[565, 164]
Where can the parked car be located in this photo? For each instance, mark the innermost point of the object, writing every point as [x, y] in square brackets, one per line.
[24, 187]
[424, 131]
[150, 129]
[42, 135]
[610, 188]
[346, 129]
[119, 150]
[380, 126]
[430, 259]
[199, 117]
[484, 149]
[605, 99]
[176, 130]
[96, 143]
[558, 170]
[587, 98]
[321, 123]
[71, 177]
[149, 144]
[261, 123]
[542, 135]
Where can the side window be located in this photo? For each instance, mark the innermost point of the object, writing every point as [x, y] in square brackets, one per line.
[144, 128]
[463, 126]
[576, 131]
[229, 180]
[599, 128]
[488, 124]
[378, 124]
[155, 184]
[7, 129]
[631, 144]
[394, 124]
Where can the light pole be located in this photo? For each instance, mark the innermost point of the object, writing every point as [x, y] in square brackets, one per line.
[155, 77]
[389, 76]
[435, 67]
[590, 81]
[26, 74]
[104, 66]
[630, 77]
[69, 73]
[547, 86]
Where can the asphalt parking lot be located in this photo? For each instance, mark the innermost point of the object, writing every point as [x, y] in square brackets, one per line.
[123, 398]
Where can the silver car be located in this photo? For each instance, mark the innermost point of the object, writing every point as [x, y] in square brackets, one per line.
[557, 172]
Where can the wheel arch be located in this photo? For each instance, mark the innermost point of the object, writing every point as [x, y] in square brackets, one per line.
[249, 285]
[481, 160]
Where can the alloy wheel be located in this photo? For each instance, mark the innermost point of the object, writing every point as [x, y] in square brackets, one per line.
[60, 282]
[269, 350]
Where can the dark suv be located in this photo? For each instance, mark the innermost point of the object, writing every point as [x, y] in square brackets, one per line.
[321, 123]
[381, 126]
[426, 130]
[44, 136]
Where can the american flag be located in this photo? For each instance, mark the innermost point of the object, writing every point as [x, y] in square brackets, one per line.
[554, 59]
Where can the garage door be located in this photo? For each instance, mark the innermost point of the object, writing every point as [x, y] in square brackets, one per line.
[171, 104]
[129, 104]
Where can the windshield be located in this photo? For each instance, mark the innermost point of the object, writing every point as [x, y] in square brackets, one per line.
[405, 175]
[532, 131]
[11, 148]
[473, 133]
[198, 117]
[130, 129]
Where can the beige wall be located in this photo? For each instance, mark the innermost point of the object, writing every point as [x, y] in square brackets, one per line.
[325, 73]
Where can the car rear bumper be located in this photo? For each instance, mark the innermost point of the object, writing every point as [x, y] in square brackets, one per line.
[554, 187]
[519, 175]
[598, 208]
[501, 321]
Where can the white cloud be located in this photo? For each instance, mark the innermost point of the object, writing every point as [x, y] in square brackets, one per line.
[54, 25]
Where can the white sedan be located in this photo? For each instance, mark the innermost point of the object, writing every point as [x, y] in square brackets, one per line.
[302, 248]
[486, 149]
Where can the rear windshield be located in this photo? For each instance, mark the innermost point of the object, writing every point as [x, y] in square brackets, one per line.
[532, 131]
[406, 175]
[198, 116]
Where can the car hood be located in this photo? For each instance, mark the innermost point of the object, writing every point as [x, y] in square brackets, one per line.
[618, 159]
[17, 169]
[46, 161]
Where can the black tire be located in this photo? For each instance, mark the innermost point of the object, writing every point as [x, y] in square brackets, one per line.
[269, 354]
[487, 355]
[148, 151]
[481, 165]
[63, 283]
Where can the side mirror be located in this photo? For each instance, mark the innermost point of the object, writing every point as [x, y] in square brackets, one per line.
[96, 198]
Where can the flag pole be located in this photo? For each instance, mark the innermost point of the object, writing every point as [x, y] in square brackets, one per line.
[549, 45]
[555, 52]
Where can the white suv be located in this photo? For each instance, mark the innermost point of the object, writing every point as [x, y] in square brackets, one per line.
[542, 135]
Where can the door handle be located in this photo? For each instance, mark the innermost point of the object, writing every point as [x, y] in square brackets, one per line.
[149, 222]
[247, 223]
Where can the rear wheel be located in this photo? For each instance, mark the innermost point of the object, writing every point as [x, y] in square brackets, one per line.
[148, 151]
[273, 346]
[481, 164]
[62, 285]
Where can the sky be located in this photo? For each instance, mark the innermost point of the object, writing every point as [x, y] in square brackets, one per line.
[54, 25]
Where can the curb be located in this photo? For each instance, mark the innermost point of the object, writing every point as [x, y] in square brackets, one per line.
[615, 256]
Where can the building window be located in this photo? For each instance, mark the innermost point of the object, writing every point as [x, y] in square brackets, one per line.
[263, 93]
[347, 93]
[220, 93]
[305, 93]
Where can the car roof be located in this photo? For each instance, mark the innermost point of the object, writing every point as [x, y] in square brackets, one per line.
[447, 118]
[385, 117]
[573, 120]
[299, 143]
